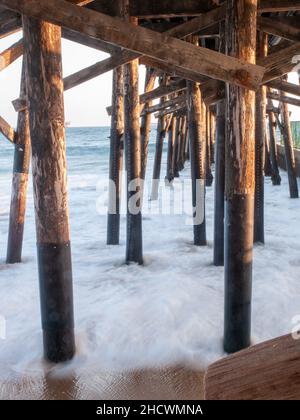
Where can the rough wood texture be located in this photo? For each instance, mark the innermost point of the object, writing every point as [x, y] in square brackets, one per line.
[11, 54]
[158, 93]
[284, 99]
[7, 131]
[279, 6]
[171, 143]
[280, 63]
[268, 371]
[10, 23]
[240, 180]
[116, 158]
[143, 41]
[160, 136]
[197, 159]
[279, 28]
[132, 136]
[146, 121]
[19, 184]
[285, 87]
[45, 96]
[46, 107]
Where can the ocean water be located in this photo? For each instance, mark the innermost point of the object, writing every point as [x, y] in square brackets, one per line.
[169, 311]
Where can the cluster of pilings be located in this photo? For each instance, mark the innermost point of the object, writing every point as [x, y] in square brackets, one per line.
[215, 70]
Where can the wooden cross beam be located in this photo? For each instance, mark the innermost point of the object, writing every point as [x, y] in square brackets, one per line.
[9, 23]
[281, 63]
[172, 8]
[158, 93]
[273, 6]
[11, 54]
[124, 57]
[285, 99]
[284, 86]
[7, 131]
[143, 41]
[172, 102]
[279, 28]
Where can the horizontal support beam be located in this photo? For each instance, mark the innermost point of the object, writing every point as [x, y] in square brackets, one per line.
[284, 86]
[90, 42]
[180, 31]
[272, 6]
[279, 28]
[143, 41]
[11, 54]
[282, 98]
[173, 110]
[10, 23]
[164, 8]
[171, 103]
[7, 131]
[280, 63]
[158, 93]
[173, 8]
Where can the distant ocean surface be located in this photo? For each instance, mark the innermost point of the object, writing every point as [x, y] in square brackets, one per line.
[87, 161]
[87, 150]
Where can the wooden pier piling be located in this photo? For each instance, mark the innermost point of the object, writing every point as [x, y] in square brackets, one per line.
[146, 121]
[209, 175]
[197, 158]
[219, 185]
[260, 144]
[276, 178]
[240, 180]
[171, 143]
[19, 182]
[160, 137]
[134, 244]
[289, 149]
[116, 157]
[220, 170]
[46, 104]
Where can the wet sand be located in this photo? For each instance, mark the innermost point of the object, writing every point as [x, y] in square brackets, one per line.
[177, 383]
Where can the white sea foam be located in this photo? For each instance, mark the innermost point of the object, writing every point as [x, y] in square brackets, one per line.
[168, 311]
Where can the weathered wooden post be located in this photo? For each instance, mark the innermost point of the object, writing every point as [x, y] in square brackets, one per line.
[146, 121]
[289, 149]
[240, 180]
[134, 244]
[176, 148]
[268, 165]
[212, 136]
[197, 157]
[46, 111]
[260, 138]
[19, 182]
[182, 142]
[160, 136]
[116, 157]
[220, 172]
[209, 175]
[276, 178]
[171, 142]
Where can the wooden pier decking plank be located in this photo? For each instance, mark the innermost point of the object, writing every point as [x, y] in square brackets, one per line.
[268, 371]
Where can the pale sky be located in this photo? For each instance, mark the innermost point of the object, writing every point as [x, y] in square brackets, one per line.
[85, 105]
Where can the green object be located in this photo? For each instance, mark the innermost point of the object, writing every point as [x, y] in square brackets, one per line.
[296, 133]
